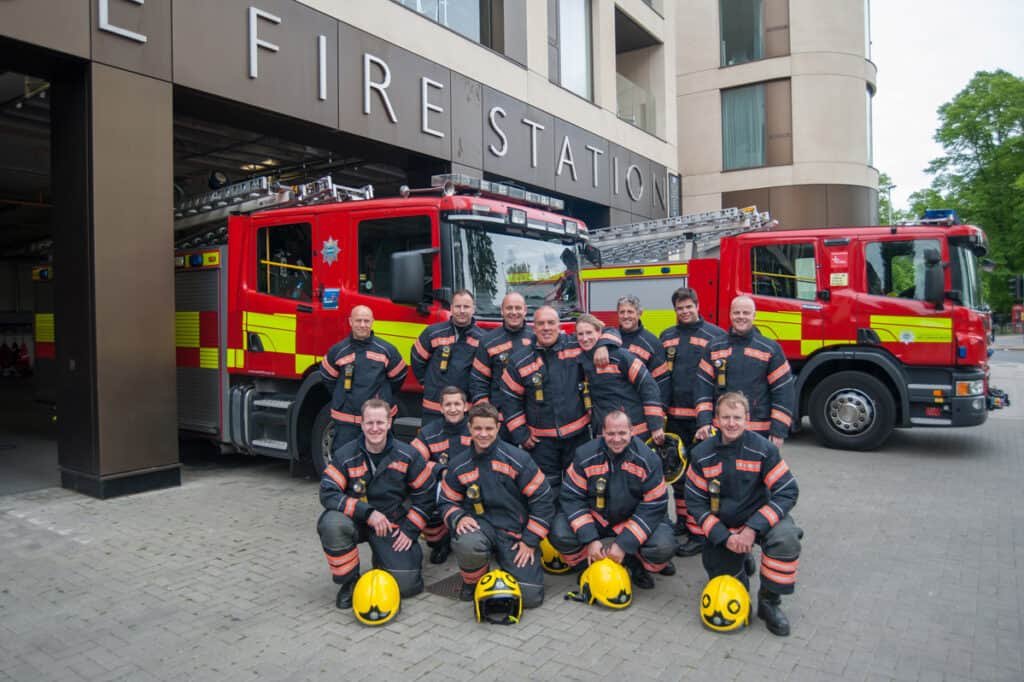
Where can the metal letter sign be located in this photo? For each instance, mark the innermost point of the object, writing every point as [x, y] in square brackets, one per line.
[105, 25]
[254, 41]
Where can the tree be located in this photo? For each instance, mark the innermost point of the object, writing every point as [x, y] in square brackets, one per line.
[981, 173]
[885, 209]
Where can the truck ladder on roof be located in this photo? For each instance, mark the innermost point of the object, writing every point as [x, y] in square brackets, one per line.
[675, 239]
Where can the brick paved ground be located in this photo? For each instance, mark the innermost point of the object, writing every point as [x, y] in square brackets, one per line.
[912, 571]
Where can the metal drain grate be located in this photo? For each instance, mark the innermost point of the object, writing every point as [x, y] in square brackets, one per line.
[447, 587]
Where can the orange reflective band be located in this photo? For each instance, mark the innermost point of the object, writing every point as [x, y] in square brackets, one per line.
[638, 532]
[431, 405]
[713, 470]
[481, 367]
[576, 479]
[779, 578]
[782, 371]
[639, 430]
[705, 366]
[339, 478]
[635, 469]
[350, 507]
[580, 521]
[777, 472]
[377, 357]
[400, 466]
[503, 468]
[469, 476]
[345, 417]
[640, 352]
[696, 479]
[516, 422]
[709, 523]
[698, 341]
[780, 416]
[450, 493]
[656, 492]
[653, 411]
[669, 343]
[660, 370]
[420, 350]
[759, 426]
[753, 466]
[328, 368]
[424, 476]
[442, 341]
[537, 529]
[421, 448]
[529, 369]
[634, 370]
[532, 486]
[596, 470]
[719, 354]
[500, 348]
[768, 513]
[569, 353]
[776, 564]
[473, 576]
[416, 518]
[398, 369]
[757, 354]
[682, 412]
[512, 384]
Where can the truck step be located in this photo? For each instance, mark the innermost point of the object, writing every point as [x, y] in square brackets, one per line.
[274, 403]
[270, 444]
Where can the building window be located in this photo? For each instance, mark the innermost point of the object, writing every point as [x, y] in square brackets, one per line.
[381, 237]
[869, 114]
[569, 46]
[284, 254]
[897, 268]
[479, 20]
[784, 271]
[742, 23]
[743, 127]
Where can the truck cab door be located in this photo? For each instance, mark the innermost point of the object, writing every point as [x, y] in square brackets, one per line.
[892, 310]
[782, 278]
[277, 306]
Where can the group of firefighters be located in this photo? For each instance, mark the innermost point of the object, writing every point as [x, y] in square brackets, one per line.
[534, 436]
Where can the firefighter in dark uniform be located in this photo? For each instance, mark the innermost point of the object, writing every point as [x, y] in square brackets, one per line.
[684, 344]
[495, 352]
[497, 503]
[747, 362]
[545, 411]
[359, 367]
[614, 489]
[381, 490]
[741, 492]
[639, 341]
[623, 384]
[443, 354]
[438, 442]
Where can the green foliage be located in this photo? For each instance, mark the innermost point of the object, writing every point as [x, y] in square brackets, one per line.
[981, 173]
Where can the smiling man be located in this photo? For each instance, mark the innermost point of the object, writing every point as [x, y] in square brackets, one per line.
[746, 361]
[741, 492]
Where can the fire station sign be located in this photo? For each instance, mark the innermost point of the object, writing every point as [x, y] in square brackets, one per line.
[283, 56]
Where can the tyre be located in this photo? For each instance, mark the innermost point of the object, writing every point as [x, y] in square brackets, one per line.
[852, 411]
[322, 439]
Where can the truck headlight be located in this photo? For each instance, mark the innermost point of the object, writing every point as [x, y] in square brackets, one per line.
[968, 388]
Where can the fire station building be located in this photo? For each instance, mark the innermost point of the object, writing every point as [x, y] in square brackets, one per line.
[114, 112]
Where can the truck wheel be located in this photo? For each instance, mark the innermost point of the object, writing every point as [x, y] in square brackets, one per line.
[322, 440]
[852, 411]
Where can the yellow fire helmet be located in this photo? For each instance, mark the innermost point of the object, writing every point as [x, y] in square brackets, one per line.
[672, 455]
[725, 604]
[605, 582]
[376, 598]
[498, 599]
[551, 559]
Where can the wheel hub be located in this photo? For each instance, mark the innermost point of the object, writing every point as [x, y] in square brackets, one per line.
[850, 411]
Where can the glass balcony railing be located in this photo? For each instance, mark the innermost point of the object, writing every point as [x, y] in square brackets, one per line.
[462, 16]
[636, 105]
[655, 5]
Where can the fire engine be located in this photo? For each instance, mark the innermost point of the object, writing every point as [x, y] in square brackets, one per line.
[254, 315]
[884, 327]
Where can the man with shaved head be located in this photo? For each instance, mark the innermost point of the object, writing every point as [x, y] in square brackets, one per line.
[360, 367]
[495, 351]
[744, 361]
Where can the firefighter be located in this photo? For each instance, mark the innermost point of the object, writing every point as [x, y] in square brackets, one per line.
[684, 343]
[747, 362]
[614, 489]
[545, 411]
[359, 367]
[438, 442]
[741, 492]
[443, 354]
[496, 502]
[623, 384]
[639, 341]
[496, 350]
[381, 490]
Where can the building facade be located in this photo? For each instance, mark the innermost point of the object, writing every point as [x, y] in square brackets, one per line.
[132, 105]
[774, 108]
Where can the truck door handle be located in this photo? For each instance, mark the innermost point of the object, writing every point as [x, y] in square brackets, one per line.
[255, 343]
[303, 308]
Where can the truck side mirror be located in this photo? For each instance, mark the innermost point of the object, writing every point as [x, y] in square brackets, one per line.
[934, 278]
[407, 273]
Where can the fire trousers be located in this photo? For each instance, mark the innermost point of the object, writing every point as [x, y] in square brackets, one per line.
[474, 551]
[340, 537]
[780, 556]
[653, 554]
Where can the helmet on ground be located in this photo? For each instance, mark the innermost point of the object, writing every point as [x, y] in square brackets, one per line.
[607, 583]
[376, 597]
[672, 455]
[725, 604]
[498, 598]
[551, 559]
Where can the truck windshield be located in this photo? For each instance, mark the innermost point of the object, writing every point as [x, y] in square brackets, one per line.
[966, 274]
[491, 264]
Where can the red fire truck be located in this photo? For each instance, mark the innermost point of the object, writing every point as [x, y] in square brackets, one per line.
[254, 316]
[885, 327]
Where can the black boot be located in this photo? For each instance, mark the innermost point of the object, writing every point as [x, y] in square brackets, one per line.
[344, 598]
[670, 569]
[439, 554]
[679, 527]
[638, 574]
[467, 591]
[769, 611]
[692, 546]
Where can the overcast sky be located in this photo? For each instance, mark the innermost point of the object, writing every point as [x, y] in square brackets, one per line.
[926, 52]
